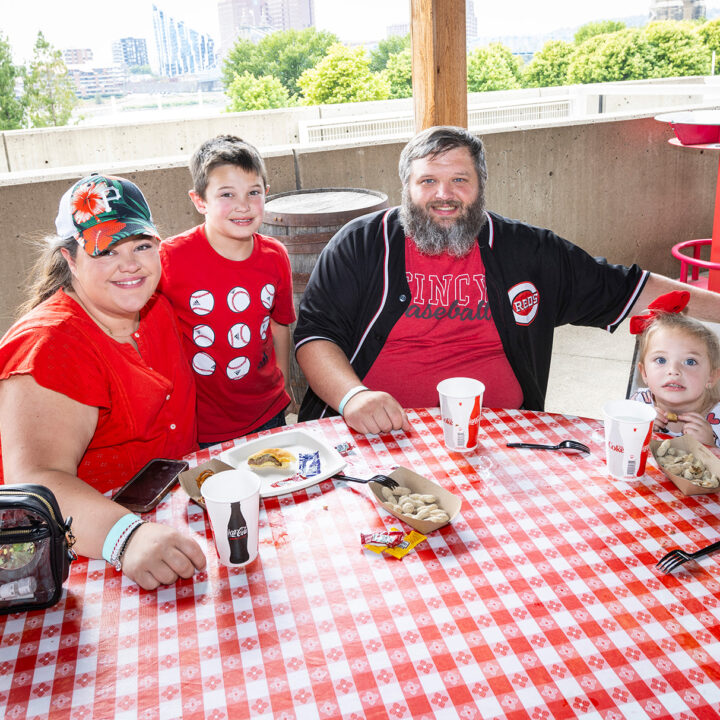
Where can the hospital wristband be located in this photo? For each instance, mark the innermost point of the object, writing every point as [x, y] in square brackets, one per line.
[352, 392]
[117, 537]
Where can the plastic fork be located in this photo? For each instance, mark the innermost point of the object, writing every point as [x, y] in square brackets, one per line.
[573, 445]
[675, 558]
[383, 480]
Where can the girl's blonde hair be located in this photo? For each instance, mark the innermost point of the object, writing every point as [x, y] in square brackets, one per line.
[50, 272]
[693, 328]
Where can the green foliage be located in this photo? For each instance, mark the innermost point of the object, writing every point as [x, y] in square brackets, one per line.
[285, 55]
[247, 92]
[342, 76]
[11, 109]
[602, 27]
[386, 49]
[676, 50]
[49, 92]
[709, 33]
[139, 70]
[398, 74]
[623, 55]
[493, 67]
[549, 66]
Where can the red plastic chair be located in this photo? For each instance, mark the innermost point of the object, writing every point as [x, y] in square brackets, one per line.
[695, 262]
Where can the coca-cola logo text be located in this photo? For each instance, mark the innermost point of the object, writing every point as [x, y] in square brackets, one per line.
[240, 532]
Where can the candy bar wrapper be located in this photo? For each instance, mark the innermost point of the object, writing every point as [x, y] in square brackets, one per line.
[401, 549]
[383, 539]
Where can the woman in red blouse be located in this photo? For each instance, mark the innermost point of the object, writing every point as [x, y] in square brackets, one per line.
[94, 382]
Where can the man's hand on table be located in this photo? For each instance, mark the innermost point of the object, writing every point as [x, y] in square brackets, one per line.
[158, 555]
[373, 412]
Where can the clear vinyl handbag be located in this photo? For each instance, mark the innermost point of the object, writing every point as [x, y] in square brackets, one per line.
[35, 548]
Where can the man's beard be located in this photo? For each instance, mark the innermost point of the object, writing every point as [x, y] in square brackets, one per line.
[432, 238]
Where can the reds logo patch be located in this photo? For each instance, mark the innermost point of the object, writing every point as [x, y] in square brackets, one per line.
[525, 300]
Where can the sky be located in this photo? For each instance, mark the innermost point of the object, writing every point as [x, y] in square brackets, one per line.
[81, 24]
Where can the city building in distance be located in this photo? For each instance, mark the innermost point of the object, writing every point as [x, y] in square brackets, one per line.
[181, 50]
[130, 51]
[677, 10]
[253, 19]
[77, 56]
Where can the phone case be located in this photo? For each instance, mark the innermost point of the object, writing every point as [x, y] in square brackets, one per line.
[180, 466]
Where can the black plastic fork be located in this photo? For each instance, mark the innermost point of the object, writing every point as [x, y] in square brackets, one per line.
[383, 480]
[675, 558]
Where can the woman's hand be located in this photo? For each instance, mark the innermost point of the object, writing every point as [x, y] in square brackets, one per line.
[158, 555]
[697, 425]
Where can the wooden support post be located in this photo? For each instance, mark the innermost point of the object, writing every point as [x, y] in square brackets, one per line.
[439, 62]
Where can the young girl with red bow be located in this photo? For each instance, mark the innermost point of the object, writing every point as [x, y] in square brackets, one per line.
[679, 361]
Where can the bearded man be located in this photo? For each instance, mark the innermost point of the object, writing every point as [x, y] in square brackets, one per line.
[440, 287]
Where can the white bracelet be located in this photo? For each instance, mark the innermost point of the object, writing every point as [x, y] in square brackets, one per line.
[352, 392]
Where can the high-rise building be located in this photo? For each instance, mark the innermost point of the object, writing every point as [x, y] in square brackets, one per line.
[251, 19]
[398, 29]
[677, 9]
[291, 14]
[77, 56]
[248, 19]
[181, 50]
[471, 23]
[130, 51]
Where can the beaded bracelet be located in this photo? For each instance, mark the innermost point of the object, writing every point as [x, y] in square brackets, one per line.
[352, 392]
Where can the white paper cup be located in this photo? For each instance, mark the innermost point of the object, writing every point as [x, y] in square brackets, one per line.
[628, 430]
[460, 408]
[232, 500]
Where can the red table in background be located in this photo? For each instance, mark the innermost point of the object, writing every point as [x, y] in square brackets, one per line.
[541, 600]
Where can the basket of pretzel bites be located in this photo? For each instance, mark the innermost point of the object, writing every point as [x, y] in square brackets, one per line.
[191, 480]
[692, 466]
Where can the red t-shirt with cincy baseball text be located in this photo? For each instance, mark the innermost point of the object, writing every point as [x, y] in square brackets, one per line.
[446, 331]
[225, 307]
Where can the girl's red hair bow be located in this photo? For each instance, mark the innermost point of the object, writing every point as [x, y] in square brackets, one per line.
[672, 302]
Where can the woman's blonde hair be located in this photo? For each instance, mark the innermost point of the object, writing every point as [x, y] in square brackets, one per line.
[50, 271]
[693, 328]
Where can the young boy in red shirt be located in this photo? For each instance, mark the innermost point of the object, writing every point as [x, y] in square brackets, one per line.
[232, 291]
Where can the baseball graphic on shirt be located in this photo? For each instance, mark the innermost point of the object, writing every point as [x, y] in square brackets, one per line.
[203, 335]
[202, 302]
[267, 295]
[264, 327]
[238, 367]
[203, 364]
[238, 299]
[239, 335]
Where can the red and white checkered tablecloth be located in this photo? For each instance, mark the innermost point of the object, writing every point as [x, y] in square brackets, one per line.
[540, 601]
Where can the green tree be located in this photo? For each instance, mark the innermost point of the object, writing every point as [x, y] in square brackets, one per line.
[386, 49]
[676, 50]
[343, 75]
[49, 92]
[709, 33]
[285, 55]
[622, 55]
[11, 109]
[602, 27]
[398, 74]
[549, 66]
[247, 92]
[493, 67]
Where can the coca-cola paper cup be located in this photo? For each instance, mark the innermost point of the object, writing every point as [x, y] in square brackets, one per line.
[460, 408]
[232, 500]
[628, 430]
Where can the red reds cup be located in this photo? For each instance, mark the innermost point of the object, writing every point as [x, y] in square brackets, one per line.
[460, 408]
[628, 429]
[232, 500]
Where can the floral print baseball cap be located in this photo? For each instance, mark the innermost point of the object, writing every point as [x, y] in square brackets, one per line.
[100, 210]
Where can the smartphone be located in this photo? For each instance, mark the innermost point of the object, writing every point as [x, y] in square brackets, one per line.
[150, 485]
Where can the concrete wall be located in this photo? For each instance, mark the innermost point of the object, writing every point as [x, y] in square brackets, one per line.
[614, 187]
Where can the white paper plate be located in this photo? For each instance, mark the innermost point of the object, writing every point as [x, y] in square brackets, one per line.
[282, 481]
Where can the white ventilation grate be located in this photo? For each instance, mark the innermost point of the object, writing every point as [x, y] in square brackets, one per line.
[390, 126]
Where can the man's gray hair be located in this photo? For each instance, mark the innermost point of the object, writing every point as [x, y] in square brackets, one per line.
[437, 140]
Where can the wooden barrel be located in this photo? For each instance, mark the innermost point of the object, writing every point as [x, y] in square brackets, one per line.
[304, 221]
